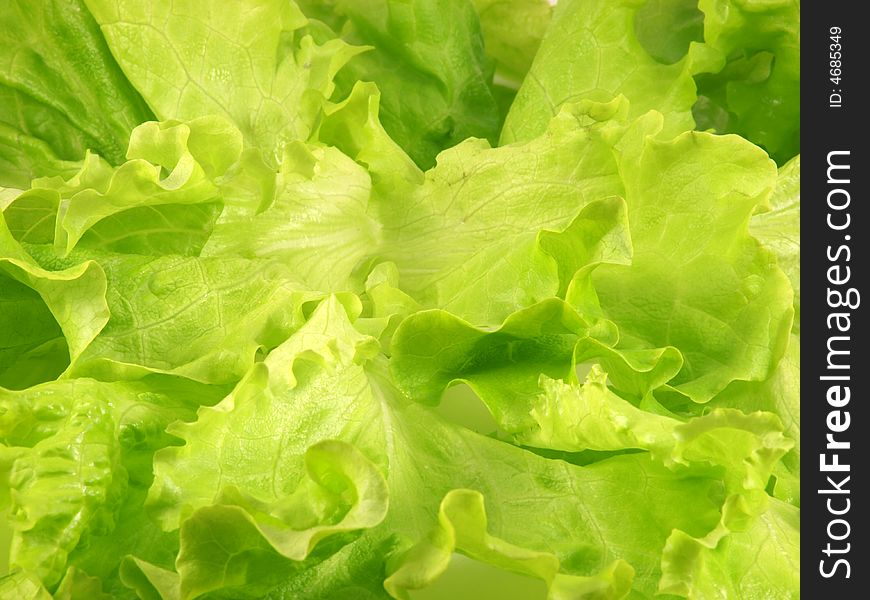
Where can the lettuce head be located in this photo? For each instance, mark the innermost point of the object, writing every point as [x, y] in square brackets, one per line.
[410, 299]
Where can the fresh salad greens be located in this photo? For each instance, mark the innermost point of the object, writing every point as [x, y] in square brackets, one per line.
[342, 299]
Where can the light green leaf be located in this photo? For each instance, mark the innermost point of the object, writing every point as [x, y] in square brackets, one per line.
[315, 364]
[591, 417]
[250, 62]
[23, 586]
[77, 585]
[433, 349]
[698, 281]
[202, 318]
[316, 224]
[149, 581]
[142, 410]
[779, 229]
[324, 383]
[779, 394]
[579, 499]
[446, 234]
[592, 51]
[536, 266]
[354, 127]
[343, 492]
[31, 215]
[683, 231]
[462, 526]
[767, 556]
[135, 206]
[65, 480]
[79, 461]
[667, 28]
[512, 32]
[22, 157]
[757, 92]
[385, 304]
[224, 354]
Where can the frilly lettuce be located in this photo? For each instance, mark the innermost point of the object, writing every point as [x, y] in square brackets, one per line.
[245, 249]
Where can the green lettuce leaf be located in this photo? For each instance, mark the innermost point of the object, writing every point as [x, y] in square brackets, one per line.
[435, 87]
[512, 32]
[48, 318]
[590, 417]
[780, 394]
[79, 455]
[779, 228]
[721, 331]
[466, 242]
[462, 526]
[325, 383]
[234, 309]
[767, 554]
[757, 92]
[354, 127]
[142, 205]
[61, 92]
[258, 400]
[26, 586]
[66, 475]
[593, 50]
[279, 319]
[708, 288]
[252, 63]
[299, 228]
